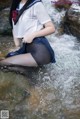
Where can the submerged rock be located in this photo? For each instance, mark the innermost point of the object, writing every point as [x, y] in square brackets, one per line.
[72, 20]
[5, 28]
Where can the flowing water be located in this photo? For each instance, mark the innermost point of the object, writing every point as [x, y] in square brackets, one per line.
[54, 92]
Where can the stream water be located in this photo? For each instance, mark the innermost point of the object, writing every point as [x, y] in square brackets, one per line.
[54, 93]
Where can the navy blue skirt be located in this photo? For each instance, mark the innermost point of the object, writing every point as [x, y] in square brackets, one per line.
[40, 49]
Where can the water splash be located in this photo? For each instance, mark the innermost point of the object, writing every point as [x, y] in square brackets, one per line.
[56, 95]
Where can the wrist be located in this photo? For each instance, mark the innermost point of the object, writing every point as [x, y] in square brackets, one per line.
[35, 34]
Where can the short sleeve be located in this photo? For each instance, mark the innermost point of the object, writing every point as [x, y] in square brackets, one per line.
[41, 13]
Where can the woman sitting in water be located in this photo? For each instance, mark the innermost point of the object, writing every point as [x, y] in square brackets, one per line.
[30, 23]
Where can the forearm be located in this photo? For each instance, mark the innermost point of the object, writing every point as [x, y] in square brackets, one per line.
[44, 32]
[47, 30]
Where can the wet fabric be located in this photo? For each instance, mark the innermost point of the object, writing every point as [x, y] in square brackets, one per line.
[40, 50]
[39, 53]
[25, 7]
[18, 52]
[31, 20]
[44, 41]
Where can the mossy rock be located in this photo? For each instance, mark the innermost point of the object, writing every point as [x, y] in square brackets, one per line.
[5, 28]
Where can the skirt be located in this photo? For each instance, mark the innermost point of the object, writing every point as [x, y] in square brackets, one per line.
[40, 49]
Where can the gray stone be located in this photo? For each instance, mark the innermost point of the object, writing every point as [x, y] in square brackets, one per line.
[5, 28]
[72, 20]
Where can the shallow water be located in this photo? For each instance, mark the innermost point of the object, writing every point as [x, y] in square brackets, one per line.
[54, 93]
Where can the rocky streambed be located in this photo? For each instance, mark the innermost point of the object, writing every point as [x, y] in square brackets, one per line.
[51, 91]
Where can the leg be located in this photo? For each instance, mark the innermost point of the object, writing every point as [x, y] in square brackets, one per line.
[23, 60]
[40, 53]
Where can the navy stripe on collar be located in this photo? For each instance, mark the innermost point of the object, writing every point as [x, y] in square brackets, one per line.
[24, 8]
[34, 1]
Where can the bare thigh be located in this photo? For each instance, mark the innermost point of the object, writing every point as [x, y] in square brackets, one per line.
[23, 60]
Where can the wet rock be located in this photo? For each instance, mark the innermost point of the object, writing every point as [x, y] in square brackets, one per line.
[24, 70]
[72, 20]
[12, 91]
[4, 4]
[5, 28]
[63, 4]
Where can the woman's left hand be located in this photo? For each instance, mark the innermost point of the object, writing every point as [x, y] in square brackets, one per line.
[28, 39]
